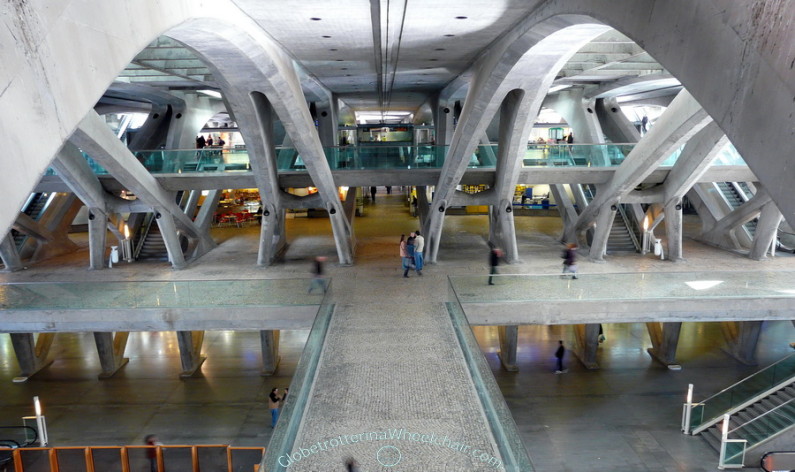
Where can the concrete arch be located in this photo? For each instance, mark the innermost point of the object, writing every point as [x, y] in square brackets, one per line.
[51, 86]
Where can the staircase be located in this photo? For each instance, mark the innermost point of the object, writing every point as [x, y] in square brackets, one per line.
[153, 247]
[620, 238]
[777, 411]
[34, 207]
[731, 192]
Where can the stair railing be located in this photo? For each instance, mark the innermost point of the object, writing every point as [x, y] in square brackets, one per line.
[732, 451]
[700, 416]
[143, 232]
[760, 429]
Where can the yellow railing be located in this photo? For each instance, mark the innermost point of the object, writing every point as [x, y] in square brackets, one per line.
[103, 459]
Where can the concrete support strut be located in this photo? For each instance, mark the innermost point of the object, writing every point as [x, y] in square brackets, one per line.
[110, 348]
[509, 342]
[269, 339]
[586, 338]
[32, 354]
[664, 341]
[9, 254]
[741, 340]
[190, 352]
[766, 231]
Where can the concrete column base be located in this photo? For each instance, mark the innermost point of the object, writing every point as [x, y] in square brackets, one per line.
[110, 348]
[742, 338]
[190, 347]
[31, 353]
[586, 342]
[269, 339]
[664, 339]
[509, 341]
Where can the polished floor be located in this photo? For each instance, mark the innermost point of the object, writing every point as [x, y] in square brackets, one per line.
[624, 417]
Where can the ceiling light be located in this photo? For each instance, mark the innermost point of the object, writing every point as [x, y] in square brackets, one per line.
[339, 60]
[439, 49]
[326, 36]
[333, 49]
[314, 18]
[433, 60]
[449, 35]
[457, 18]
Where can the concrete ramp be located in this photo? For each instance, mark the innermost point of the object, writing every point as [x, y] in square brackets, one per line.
[393, 390]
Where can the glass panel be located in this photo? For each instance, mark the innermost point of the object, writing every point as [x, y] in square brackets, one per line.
[734, 453]
[506, 434]
[212, 458]
[581, 155]
[284, 435]
[71, 459]
[177, 458]
[773, 422]
[106, 459]
[244, 460]
[36, 461]
[173, 294]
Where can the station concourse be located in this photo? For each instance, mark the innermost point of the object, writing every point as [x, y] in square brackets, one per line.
[655, 135]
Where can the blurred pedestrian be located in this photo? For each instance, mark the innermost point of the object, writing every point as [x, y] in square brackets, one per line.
[351, 465]
[151, 452]
[559, 355]
[318, 278]
[570, 260]
[274, 399]
[404, 256]
[419, 246]
[494, 260]
[410, 248]
[373, 189]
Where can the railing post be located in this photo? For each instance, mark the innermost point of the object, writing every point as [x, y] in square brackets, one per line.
[194, 458]
[52, 456]
[125, 459]
[17, 460]
[688, 410]
[159, 454]
[89, 454]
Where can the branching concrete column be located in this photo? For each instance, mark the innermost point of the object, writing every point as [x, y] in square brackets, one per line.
[97, 237]
[31, 353]
[422, 207]
[601, 232]
[327, 123]
[165, 222]
[586, 342]
[741, 339]
[579, 114]
[197, 109]
[614, 123]
[664, 340]
[269, 339]
[190, 351]
[766, 231]
[111, 348]
[673, 229]
[9, 254]
[205, 217]
[443, 121]
[509, 342]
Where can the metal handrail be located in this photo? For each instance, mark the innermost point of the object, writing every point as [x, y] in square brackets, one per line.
[771, 411]
[746, 378]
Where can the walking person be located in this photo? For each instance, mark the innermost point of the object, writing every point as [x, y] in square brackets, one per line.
[373, 189]
[559, 355]
[410, 248]
[570, 260]
[419, 246]
[274, 399]
[151, 452]
[494, 260]
[404, 256]
[318, 280]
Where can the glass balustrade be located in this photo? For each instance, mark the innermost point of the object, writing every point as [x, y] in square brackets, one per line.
[747, 389]
[160, 294]
[375, 156]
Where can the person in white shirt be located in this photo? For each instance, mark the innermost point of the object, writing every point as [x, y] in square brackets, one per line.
[419, 246]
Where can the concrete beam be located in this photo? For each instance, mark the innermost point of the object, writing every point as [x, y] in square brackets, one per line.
[32, 353]
[741, 340]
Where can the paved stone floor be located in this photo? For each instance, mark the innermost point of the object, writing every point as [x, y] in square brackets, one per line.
[624, 417]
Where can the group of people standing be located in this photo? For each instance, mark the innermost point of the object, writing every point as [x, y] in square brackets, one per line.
[411, 252]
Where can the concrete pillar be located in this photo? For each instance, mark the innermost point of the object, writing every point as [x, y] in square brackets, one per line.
[614, 123]
[269, 339]
[509, 341]
[673, 229]
[31, 353]
[586, 338]
[604, 222]
[741, 340]
[327, 123]
[422, 208]
[110, 348]
[443, 121]
[9, 254]
[766, 231]
[192, 202]
[165, 222]
[97, 238]
[190, 351]
[664, 340]
[205, 217]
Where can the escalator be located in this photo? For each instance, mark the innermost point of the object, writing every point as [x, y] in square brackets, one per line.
[14, 437]
[34, 207]
[736, 194]
[148, 243]
[624, 233]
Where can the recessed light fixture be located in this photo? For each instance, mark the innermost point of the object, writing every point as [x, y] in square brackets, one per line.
[439, 49]
[343, 68]
[457, 18]
[433, 60]
[314, 18]
[449, 35]
[333, 49]
[339, 60]
[326, 36]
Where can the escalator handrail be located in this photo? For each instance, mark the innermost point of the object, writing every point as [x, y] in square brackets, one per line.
[29, 428]
[746, 378]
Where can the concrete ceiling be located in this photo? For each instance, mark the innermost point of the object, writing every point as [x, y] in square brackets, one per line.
[391, 55]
